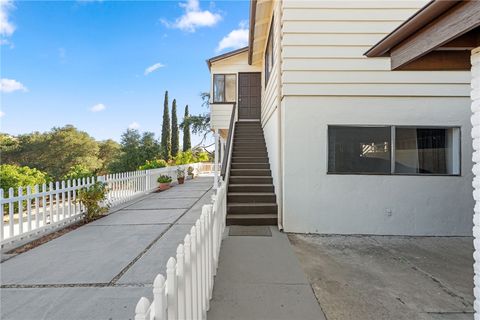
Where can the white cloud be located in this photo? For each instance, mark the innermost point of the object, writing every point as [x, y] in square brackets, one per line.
[2, 114]
[134, 125]
[153, 67]
[7, 28]
[194, 17]
[10, 85]
[237, 38]
[98, 107]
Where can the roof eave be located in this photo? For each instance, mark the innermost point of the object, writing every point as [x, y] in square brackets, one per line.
[251, 34]
[425, 15]
[225, 56]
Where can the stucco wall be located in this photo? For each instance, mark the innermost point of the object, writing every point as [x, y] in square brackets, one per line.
[420, 205]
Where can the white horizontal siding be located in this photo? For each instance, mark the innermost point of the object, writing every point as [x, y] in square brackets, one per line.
[356, 14]
[377, 89]
[323, 48]
[329, 39]
[340, 4]
[220, 115]
[458, 77]
[373, 27]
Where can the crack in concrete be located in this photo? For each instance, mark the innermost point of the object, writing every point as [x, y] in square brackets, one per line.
[397, 256]
[128, 266]
[113, 282]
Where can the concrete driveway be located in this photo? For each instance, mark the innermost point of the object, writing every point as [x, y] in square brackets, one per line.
[100, 270]
[401, 278]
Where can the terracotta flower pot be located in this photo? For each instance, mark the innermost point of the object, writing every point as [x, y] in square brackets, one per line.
[164, 186]
[181, 180]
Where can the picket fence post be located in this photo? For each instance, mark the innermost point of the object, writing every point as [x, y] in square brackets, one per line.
[172, 289]
[194, 259]
[159, 298]
[142, 309]
[181, 281]
[188, 278]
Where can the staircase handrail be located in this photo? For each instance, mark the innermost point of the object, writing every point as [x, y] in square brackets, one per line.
[228, 149]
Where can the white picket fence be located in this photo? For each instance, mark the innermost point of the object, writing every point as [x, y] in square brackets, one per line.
[41, 209]
[186, 292]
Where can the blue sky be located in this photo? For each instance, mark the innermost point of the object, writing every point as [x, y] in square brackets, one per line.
[104, 65]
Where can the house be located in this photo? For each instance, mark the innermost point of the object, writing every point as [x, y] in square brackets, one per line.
[341, 144]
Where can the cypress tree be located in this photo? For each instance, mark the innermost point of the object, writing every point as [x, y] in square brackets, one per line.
[187, 145]
[175, 136]
[166, 142]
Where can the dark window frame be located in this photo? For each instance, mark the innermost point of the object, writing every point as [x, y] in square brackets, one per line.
[393, 128]
[224, 87]
[267, 51]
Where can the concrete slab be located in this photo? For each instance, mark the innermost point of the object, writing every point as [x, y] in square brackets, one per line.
[242, 231]
[259, 260]
[155, 260]
[264, 301]
[167, 203]
[194, 213]
[115, 303]
[90, 254]
[174, 193]
[147, 217]
[260, 278]
[361, 277]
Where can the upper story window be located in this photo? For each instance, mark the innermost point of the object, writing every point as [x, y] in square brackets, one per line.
[394, 150]
[269, 55]
[224, 87]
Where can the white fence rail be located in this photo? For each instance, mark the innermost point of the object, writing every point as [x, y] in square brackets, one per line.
[41, 209]
[186, 291]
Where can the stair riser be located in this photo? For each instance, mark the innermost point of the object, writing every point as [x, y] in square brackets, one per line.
[253, 198]
[250, 160]
[251, 180]
[249, 154]
[252, 210]
[251, 222]
[251, 143]
[249, 172]
[266, 188]
[250, 166]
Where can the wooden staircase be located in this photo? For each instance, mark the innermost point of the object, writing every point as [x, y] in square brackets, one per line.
[251, 198]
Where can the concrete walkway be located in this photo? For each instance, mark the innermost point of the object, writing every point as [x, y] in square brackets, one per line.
[100, 270]
[260, 278]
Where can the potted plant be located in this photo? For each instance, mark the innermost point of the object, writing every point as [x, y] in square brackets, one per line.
[180, 175]
[164, 182]
[190, 172]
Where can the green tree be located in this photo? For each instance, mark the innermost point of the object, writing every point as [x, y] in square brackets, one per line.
[166, 142]
[109, 151]
[12, 176]
[187, 144]
[175, 134]
[78, 171]
[149, 146]
[55, 151]
[130, 157]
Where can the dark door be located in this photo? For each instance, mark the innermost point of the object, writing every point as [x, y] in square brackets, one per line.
[249, 95]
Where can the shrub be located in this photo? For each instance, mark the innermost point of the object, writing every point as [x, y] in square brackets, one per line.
[92, 198]
[154, 164]
[164, 179]
[12, 176]
[78, 171]
[184, 158]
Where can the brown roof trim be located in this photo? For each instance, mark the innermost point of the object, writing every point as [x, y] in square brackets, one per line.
[429, 12]
[253, 13]
[225, 55]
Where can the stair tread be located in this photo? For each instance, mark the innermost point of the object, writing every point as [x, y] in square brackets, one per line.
[246, 177]
[254, 204]
[248, 185]
[252, 216]
[253, 193]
